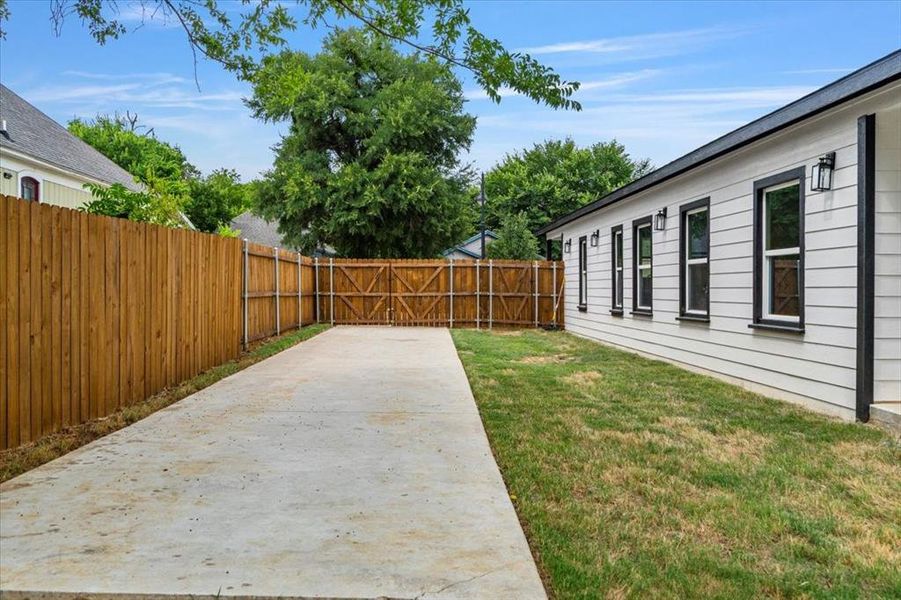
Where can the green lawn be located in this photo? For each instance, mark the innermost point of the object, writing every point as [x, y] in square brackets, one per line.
[635, 478]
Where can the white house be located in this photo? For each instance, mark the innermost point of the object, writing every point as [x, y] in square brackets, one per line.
[40, 160]
[770, 257]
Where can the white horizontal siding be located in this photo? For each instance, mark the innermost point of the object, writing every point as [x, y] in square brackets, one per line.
[887, 345]
[817, 368]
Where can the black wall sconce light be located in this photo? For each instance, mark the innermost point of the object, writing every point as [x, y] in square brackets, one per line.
[660, 219]
[568, 246]
[7, 175]
[821, 173]
[595, 236]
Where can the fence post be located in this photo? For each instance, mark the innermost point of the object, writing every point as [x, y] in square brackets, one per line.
[554, 291]
[278, 328]
[316, 287]
[299, 291]
[451, 293]
[331, 289]
[478, 296]
[535, 288]
[490, 294]
[244, 295]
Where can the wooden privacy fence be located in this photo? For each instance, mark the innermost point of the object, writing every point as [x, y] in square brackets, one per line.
[445, 293]
[97, 313]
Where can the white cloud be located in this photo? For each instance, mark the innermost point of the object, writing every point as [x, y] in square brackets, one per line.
[650, 45]
[613, 81]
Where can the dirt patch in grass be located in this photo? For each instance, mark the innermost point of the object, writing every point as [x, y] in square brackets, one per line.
[16, 461]
[546, 359]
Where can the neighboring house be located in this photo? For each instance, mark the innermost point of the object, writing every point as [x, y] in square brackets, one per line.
[40, 160]
[260, 231]
[756, 264]
[472, 247]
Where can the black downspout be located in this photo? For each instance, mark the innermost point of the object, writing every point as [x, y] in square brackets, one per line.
[866, 268]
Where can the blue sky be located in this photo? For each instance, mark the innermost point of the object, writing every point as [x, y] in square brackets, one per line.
[662, 78]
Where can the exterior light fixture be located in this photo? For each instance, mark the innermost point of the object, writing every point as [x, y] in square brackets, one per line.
[660, 219]
[821, 173]
[595, 236]
[568, 246]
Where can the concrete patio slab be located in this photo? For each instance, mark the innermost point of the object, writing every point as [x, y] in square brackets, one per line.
[354, 465]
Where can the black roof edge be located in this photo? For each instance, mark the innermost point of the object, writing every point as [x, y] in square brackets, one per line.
[866, 79]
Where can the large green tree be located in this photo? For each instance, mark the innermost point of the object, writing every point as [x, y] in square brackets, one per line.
[556, 177]
[515, 241]
[237, 35]
[172, 185]
[369, 165]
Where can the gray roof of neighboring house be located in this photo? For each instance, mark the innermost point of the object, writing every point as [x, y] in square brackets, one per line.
[875, 75]
[33, 133]
[257, 229]
[461, 247]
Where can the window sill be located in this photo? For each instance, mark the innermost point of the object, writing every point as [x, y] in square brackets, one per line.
[616, 312]
[642, 313]
[693, 318]
[770, 326]
[583, 308]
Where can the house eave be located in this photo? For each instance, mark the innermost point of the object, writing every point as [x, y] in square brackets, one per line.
[878, 74]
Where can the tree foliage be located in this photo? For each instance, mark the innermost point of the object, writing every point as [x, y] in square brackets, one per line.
[134, 147]
[217, 199]
[369, 165]
[515, 241]
[556, 177]
[171, 184]
[156, 205]
[237, 36]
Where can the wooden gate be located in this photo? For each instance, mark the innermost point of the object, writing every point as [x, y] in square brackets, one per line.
[462, 293]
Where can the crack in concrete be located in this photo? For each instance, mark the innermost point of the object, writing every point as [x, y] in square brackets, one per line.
[461, 582]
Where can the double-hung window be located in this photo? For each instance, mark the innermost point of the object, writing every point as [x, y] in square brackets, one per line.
[694, 276]
[583, 273]
[642, 276]
[616, 269]
[779, 251]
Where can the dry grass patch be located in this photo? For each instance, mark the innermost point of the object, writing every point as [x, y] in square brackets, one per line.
[582, 379]
[738, 445]
[546, 359]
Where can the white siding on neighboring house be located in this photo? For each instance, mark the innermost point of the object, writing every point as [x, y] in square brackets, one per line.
[887, 343]
[816, 368]
[56, 186]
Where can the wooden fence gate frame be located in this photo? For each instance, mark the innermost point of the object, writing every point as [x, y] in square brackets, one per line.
[446, 293]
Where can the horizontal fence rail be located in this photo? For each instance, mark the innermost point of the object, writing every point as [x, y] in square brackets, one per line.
[445, 293]
[97, 313]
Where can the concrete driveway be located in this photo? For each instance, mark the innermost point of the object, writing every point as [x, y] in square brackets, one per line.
[354, 465]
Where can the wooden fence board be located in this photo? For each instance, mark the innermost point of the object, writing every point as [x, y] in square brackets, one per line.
[97, 313]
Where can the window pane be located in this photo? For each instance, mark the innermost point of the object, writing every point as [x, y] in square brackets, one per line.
[644, 288]
[697, 287]
[619, 288]
[697, 235]
[644, 245]
[784, 285]
[619, 249]
[782, 219]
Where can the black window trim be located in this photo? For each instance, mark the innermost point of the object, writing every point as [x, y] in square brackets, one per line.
[614, 309]
[649, 221]
[583, 284]
[799, 174]
[684, 313]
